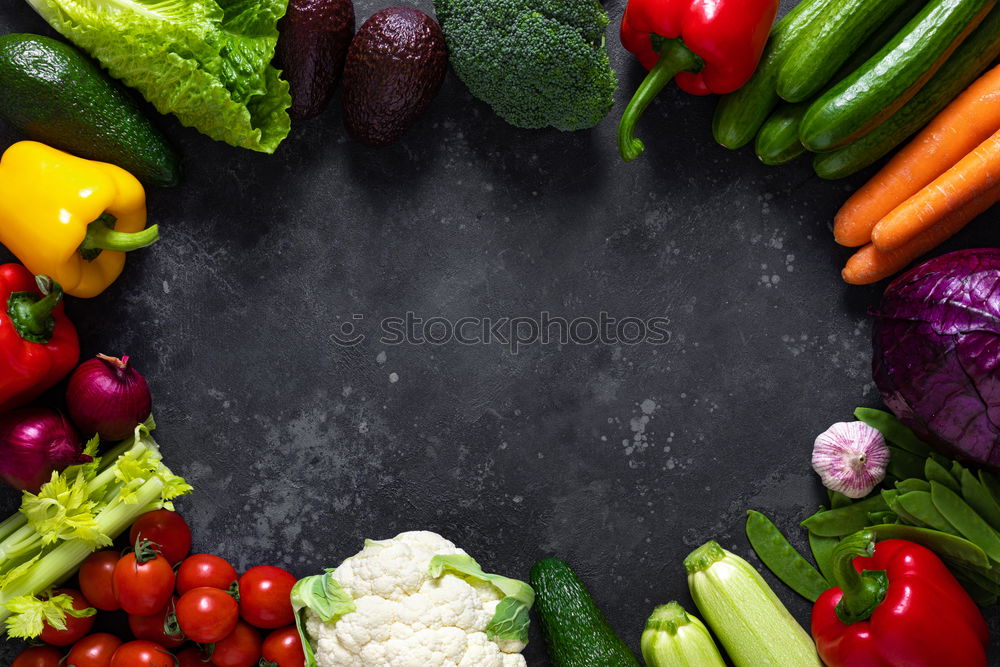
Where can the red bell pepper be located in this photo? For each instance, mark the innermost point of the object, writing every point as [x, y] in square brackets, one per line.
[38, 343]
[710, 46]
[896, 604]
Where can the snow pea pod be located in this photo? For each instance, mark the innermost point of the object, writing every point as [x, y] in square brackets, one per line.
[844, 520]
[948, 547]
[975, 493]
[935, 472]
[893, 431]
[907, 485]
[904, 464]
[838, 499]
[964, 518]
[822, 550]
[990, 483]
[918, 504]
[784, 560]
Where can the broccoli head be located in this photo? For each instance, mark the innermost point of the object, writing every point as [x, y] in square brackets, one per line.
[538, 63]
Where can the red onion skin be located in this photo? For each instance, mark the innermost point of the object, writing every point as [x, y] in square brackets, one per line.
[108, 397]
[34, 442]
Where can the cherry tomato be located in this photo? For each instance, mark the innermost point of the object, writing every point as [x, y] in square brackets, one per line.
[205, 570]
[95, 579]
[93, 651]
[284, 648]
[265, 600]
[142, 654]
[153, 628]
[166, 529]
[143, 584]
[191, 656]
[38, 656]
[240, 648]
[207, 615]
[75, 627]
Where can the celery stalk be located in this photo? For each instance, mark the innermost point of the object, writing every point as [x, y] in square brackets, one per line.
[674, 638]
[748, 618]
[75, 513]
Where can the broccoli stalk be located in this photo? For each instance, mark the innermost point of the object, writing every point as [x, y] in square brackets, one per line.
[537, 63]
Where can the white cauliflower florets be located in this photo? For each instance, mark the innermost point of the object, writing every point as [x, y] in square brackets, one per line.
[406, 618]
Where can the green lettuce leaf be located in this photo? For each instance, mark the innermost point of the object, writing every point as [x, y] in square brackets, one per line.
[205, 61]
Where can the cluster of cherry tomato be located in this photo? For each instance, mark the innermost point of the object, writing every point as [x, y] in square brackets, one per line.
[183, 610]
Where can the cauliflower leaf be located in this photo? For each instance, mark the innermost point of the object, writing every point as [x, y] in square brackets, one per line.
[512, 617]
[326, 598]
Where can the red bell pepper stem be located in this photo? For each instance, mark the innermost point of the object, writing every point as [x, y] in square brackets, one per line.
[32, 316]
[675, 57]
[862, 591]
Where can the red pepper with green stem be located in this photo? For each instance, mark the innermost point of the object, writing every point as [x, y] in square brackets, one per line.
[896, 604]
[709, 46]
[38, 343]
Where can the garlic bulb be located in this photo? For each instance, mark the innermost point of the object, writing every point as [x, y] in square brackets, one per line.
[850, 457]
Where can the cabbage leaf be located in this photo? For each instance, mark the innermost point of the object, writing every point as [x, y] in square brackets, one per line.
[205, 61]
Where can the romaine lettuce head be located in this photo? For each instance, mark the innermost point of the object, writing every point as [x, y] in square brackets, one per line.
[205, 61]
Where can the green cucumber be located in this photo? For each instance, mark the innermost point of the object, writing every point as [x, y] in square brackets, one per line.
[576, 632]
[969, 61]
[740, 114]
[54, 94]
[888, 80]
[845, 27]
[778, 139]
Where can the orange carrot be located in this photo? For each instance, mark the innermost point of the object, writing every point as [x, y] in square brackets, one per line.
[964, 124]
[973, 175]
[869, 264]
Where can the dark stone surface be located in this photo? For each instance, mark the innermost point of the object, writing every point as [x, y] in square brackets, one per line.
[618, 458]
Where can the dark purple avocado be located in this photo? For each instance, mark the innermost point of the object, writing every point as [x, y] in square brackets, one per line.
[312, 45]
[395, 67]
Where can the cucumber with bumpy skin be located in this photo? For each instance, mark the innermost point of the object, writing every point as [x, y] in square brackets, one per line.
[778, 139]
[843, 28]
[969, 61]
[880, 87]
[740, 114]
[576, 632]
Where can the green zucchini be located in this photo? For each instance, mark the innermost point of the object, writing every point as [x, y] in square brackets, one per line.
[778, 139]
[878, 89]
[964, 66]
[845, 27]
[740, 114]
[576, 632]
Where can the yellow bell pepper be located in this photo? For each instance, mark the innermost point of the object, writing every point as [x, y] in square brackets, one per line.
[69, 218]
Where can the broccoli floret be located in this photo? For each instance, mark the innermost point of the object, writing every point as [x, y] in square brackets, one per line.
[536, 62]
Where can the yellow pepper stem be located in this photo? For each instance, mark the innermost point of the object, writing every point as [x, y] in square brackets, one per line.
[101, 235]
[31, 313]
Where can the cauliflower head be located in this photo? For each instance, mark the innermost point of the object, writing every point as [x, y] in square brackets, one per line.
[415, 600]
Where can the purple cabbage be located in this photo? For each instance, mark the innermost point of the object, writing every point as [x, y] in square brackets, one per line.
[937, 351]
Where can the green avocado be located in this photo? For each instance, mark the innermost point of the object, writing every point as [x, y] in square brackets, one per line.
[55, 95]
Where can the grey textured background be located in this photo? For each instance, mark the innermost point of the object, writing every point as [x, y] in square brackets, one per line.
[620, 459]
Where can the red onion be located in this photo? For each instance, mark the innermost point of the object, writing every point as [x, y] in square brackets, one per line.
[108, 397]
[34, 442]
